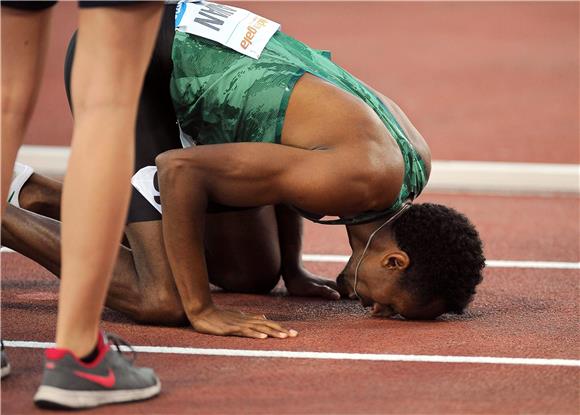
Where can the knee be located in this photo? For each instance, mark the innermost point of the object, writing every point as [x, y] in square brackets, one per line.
[16, 109]
[263, 285]
[252, 280]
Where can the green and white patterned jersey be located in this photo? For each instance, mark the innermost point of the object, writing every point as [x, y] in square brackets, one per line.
[222, 96]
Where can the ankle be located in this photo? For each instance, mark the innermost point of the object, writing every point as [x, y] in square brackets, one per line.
[81, 348]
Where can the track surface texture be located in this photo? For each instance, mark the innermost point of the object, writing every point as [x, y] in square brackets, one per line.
[526, 313]
[482, 81]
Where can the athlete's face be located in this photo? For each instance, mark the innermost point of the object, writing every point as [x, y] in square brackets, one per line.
[378, 287]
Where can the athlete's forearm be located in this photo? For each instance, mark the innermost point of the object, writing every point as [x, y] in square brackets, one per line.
[184, 200]
[184, 184]
[290, 237]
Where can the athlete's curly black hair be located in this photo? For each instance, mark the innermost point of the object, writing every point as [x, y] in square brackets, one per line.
[445, 252]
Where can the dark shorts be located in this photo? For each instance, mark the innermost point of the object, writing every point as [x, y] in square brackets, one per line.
[42, 5]
[156, 129]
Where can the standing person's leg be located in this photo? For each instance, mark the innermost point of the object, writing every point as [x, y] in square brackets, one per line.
[24, 41]
[114, 46]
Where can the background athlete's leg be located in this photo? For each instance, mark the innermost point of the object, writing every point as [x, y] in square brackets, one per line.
[114, 46]
[24, 40]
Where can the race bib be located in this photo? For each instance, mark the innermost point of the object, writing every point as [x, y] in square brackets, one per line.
[146, 182]
[235, 28]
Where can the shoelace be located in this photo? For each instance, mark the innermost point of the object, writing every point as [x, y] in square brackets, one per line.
[119, 342]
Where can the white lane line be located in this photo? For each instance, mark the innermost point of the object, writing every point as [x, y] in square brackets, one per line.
[491, 263]
[481, 176]
[328, 355]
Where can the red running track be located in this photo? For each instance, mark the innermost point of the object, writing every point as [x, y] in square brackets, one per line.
[493, 81]
[517, 313]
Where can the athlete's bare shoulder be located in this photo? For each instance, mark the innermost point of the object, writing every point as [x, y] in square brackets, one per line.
[321, 114]
[414, 136]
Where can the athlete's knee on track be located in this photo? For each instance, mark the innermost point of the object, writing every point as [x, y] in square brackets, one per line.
[259, 286]
[251, 278]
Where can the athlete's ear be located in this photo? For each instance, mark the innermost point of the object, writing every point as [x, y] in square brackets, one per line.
[396, 261]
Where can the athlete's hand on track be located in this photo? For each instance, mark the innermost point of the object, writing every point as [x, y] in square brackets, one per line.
[220, 322]
[302, 283]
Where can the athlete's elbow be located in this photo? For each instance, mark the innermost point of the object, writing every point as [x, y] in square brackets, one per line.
[170, 160]
[175, 164]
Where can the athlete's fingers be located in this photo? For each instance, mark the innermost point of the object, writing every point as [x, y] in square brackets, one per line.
[270, 332]
[274, 326]
[249, 332]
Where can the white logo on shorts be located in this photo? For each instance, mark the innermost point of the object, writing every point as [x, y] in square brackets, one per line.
[145, 181]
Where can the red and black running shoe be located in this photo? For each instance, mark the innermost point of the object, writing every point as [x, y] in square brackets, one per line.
[111, 378]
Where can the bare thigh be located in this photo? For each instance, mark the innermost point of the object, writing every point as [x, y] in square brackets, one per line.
[243, 250]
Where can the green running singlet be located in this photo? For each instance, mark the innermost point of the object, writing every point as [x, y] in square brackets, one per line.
[221, 96]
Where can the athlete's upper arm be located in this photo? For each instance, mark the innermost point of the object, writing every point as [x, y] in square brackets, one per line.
[257, 174]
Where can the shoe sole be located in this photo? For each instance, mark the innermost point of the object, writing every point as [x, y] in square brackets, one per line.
[5, 371]
[52, 397]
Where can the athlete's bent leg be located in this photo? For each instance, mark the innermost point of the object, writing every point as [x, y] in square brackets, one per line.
[139, 287]
[242, 250]
[114, 46]
[41, 195]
